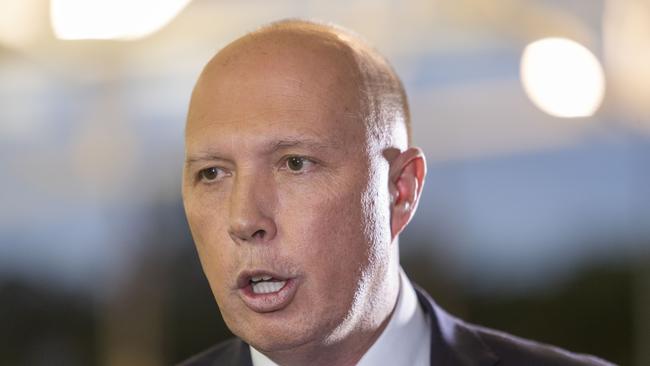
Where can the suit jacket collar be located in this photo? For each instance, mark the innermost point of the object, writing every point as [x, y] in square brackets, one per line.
[233, 352]
[452, 341]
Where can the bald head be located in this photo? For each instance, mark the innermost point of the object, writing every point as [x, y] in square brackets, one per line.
[360, 82]
[298, 167]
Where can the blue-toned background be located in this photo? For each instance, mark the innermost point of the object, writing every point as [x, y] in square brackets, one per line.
[530, 223]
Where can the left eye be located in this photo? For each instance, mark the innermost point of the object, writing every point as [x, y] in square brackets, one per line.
[209, 174]
[297, 163]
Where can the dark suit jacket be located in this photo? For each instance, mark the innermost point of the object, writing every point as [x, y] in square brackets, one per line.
[453, 343]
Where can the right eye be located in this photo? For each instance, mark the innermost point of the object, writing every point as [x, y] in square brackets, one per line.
[209, 174]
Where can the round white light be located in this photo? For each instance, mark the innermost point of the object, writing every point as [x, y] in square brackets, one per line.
[562, 77]
[111, 19]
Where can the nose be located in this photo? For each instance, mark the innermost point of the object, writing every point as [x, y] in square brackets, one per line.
[251, 206]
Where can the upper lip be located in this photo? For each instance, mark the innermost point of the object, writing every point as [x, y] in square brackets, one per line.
[245, 276]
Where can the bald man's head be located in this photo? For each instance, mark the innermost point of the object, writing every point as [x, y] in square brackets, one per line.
[298, 179]
[335, 58]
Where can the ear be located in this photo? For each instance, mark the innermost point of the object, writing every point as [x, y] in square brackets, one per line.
[406, 178]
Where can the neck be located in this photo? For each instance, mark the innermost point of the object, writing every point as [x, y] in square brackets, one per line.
[354, 338]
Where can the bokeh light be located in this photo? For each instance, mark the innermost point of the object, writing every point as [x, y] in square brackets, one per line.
[114, 19]
[562, 77]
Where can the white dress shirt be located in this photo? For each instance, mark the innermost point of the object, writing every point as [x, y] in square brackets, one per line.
[406, 341]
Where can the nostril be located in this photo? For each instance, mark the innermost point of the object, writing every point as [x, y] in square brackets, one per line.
[259, 234]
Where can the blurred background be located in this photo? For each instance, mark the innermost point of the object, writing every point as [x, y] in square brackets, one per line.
[534, 116]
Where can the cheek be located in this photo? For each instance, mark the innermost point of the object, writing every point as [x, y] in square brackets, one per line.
[376, 208]
[205, 219]
[206, 209]
[335, 225]
[315, 212]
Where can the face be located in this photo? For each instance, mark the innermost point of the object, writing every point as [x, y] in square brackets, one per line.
[286, 198]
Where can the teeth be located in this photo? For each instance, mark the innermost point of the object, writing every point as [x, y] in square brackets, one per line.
[267, 287]
[260, 278]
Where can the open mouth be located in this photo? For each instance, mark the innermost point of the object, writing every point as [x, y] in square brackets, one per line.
[266, 292]
[266, 284]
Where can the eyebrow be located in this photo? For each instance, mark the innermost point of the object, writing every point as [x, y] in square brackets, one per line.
[302, 143]
[206, 156]
[272, 147]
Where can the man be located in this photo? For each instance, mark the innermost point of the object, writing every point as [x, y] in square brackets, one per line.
[299, 178]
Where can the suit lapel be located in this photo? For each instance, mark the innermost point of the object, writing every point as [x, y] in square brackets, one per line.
[237, 354]
[453, 343]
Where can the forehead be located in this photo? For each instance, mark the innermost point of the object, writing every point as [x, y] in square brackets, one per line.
[270, 88]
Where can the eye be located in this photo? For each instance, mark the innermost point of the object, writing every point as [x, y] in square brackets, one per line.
[298, 163]
[209, 174]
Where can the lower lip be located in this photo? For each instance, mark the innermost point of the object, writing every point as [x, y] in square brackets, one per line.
[266, 303]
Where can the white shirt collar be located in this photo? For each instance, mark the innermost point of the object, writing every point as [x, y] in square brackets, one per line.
[405, 341]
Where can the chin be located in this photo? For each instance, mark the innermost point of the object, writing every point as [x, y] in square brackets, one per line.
[276, 335]
[276, 340]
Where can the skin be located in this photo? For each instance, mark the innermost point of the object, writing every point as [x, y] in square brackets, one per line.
[269, 98]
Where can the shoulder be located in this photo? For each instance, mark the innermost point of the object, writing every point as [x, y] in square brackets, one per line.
[232, 352]
[514, 350]
[456, 342]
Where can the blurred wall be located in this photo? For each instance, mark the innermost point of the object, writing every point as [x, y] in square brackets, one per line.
[529, 223]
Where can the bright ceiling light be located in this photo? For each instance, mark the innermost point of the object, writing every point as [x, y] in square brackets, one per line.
[20, 24]
[111, 19]
[562, 77]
